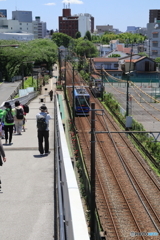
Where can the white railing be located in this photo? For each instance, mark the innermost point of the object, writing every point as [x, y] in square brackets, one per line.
[72, 223]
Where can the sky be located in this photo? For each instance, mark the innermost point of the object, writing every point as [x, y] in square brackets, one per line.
[119, 13]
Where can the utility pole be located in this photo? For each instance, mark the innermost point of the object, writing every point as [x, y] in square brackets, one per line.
[92, 208]
[128, 78]
[59, 58]
[22, 76]
[73, 99]
[65, 94]
[37, 81]
[102, 83]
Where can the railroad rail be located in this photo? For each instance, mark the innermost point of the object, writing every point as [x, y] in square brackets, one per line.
[123, 181]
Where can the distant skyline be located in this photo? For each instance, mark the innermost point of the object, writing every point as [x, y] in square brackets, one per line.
[118, 13]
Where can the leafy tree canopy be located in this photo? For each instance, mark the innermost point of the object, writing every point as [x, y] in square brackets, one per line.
[24, 55]
[126, 38]
[61, 39]
[114, 55]
[88, 36]
[78, 35]
[143, 54]
[157, 59]
[85, 48]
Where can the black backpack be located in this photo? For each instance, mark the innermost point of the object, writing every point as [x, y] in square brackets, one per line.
[41, 123]
[19, 113]
[9, 117]
[26, 108]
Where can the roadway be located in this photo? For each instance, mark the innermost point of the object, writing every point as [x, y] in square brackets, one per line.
[6, 90]
[146, 114]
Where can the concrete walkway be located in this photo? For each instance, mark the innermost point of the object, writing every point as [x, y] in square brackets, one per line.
[26, 201]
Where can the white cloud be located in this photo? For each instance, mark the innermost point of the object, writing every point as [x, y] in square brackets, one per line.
[72, 1]
[48, 4]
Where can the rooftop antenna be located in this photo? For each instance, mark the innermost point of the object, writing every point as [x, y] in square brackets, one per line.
[16, 5]
[63, 5]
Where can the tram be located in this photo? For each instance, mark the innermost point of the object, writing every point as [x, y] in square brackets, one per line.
[81, 101]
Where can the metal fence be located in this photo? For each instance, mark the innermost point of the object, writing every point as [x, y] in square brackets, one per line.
[23, 100]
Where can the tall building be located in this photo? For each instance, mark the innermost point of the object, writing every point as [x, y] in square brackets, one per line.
[70, 25]
[22, 16]
[21, 27]
[39, 28]
[154, 14]
[131, 29]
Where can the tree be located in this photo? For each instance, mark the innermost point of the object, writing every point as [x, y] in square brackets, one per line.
[88, 36]
[61, 39]
[78, 35]
[20, 59]
[157, 60]
[143, 54]
[85, 48]
[114, 55]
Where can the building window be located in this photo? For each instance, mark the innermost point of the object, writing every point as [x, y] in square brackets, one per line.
[155, 35]
[116, 65]
[154, 52]
[20, 23]
[107, 66]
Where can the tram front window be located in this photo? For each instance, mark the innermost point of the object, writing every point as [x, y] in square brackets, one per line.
[82, 101]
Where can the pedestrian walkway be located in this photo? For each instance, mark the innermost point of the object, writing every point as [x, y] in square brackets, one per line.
[26, 201]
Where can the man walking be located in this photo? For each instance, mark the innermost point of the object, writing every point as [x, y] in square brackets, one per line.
[51, 95]
[43, 129]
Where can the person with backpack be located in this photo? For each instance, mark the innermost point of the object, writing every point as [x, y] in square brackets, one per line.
[1, 124]
[43, 130]
[8, 120]
[18, 117]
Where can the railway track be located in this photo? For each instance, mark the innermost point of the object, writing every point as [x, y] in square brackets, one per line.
[127, 194]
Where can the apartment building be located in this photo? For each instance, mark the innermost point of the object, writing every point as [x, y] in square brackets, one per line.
[39, 28]
[154, 14]
[71, 24]
[21, 26]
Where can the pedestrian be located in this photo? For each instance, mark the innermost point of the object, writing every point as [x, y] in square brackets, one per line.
[1, 124]
[1, 130]
[8, 119]
[18, 117]
[2, 158]
[51, 95]
[43, 130]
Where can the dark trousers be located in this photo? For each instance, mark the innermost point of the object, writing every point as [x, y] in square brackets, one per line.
[43, 135]
[51, 97]
[8, 128]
